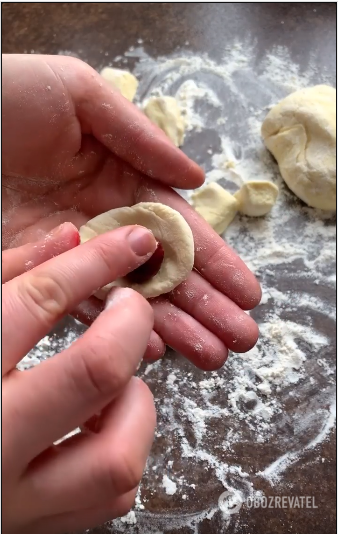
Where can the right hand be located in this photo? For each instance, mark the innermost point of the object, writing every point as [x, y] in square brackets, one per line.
[93, 476]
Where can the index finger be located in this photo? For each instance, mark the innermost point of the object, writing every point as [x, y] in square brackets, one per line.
[123, 128]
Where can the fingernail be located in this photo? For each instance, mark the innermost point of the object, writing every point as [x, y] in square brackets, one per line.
[141, 241]
[62, 229]
[57, 231]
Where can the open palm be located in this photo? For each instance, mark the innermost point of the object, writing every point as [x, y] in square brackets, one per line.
[74, 148]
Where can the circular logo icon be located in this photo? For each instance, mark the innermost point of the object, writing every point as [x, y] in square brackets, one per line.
[230, 502]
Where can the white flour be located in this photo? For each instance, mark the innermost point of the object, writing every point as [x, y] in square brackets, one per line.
[204, 417]
[169, 486]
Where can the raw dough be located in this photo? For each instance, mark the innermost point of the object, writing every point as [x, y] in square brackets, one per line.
[169, 228]
[164, 112]
[215, 205]
[256, 198]
[122, 80]
[300, 132]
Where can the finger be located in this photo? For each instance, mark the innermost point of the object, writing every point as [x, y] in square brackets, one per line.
[214, 259]
[184, 334]
[91, 308]
[84, 519]
[39, 217]
[216, 312]
[65, 391]
[99, 467]
[36, 300]
[19, 260]
[124, 129]
[155, 349]
[87, 311]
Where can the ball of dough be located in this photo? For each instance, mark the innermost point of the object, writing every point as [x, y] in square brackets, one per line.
[122, 80]
[300, 132]
[165, 113]
[215, 205]
[169, 228]
[256, 198]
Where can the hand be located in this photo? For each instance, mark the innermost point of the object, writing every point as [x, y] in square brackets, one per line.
[74, 148]
[93, 476]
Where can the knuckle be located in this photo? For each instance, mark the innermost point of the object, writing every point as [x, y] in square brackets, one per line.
[5, 269]
[197, 304]
[96, 372]
[106, 251]
[44, 296]
[87, 79]
[114, 256]
[119, 477]
[82, 70]
[214, 258]
[146, 308]
[126, 474]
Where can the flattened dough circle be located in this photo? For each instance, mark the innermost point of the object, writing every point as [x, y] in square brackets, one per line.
[168, 226]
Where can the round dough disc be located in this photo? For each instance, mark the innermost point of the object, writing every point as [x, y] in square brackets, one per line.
[169, 228]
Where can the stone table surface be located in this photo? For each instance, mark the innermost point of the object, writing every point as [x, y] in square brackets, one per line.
[98, 32]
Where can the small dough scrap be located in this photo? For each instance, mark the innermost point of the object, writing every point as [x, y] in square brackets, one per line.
[256, 198]
[122, 80]
[300, 132]
[216, 206]
[169, 228]
[165, 113]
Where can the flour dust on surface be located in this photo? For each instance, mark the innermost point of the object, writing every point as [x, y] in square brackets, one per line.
[216, 430]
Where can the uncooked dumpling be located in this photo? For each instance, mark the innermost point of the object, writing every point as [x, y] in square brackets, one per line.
[300, 132]
[122, 80]
[215, 205]
[169, 228]
[256, 198]
[165, 113]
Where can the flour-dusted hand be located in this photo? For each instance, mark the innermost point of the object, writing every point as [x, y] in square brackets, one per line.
[75, 148]
[91, 477]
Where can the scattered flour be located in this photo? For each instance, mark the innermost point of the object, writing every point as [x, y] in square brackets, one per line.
[169, 486]
[130, 518]
[48, 346]
[282, 392]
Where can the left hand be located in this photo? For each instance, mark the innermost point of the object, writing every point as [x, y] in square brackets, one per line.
[74, 148]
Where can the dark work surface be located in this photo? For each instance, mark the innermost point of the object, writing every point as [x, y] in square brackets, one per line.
[91, 30]
[95, 28]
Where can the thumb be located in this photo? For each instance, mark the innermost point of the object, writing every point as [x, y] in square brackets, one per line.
[35, 301]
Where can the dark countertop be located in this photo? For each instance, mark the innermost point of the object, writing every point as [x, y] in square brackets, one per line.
[93, 28]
